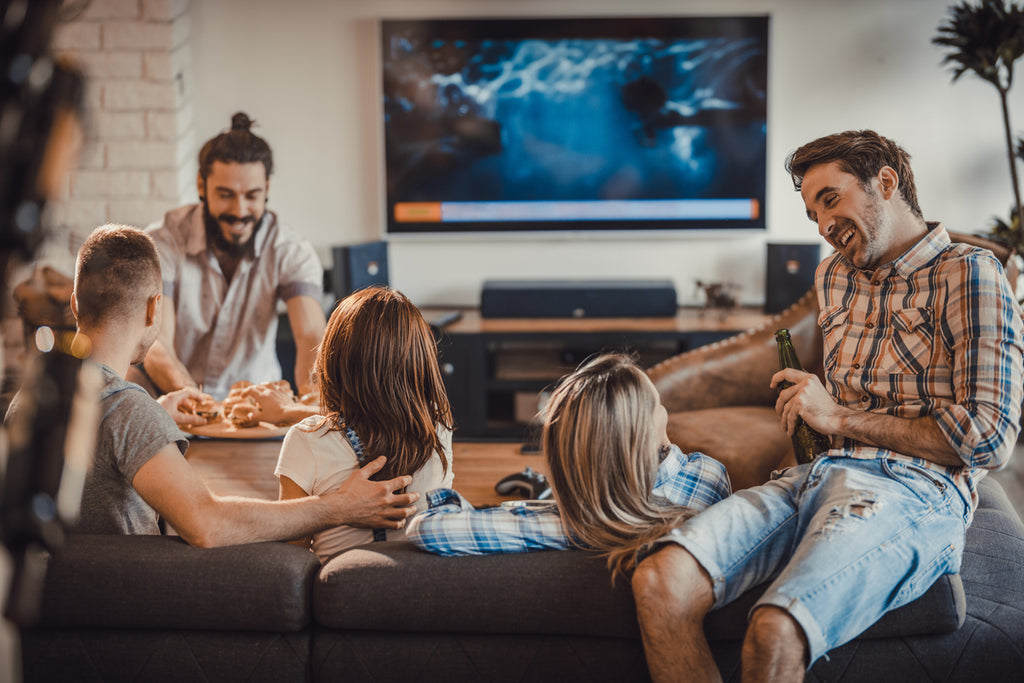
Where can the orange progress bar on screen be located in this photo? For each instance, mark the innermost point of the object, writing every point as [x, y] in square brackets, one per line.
[418, 212]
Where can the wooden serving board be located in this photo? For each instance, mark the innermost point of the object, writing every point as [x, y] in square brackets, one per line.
[222, 429]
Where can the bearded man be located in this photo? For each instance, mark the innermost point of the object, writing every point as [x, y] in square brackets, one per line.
[226, 263]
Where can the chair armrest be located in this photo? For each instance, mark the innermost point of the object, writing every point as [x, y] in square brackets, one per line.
[1005, 253]
[44, 299]
[737, 371]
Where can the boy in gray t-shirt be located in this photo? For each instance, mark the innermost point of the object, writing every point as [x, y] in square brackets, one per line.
[139, 473]
[133, 428]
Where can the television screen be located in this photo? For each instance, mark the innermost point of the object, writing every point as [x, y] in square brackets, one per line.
[654, 123]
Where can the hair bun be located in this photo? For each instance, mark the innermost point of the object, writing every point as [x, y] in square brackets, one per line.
[241, 121]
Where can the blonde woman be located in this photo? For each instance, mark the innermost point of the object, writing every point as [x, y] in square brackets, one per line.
[617, 481]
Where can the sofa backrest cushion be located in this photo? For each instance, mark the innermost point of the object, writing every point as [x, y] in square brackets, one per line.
[109, 581]
[394, 586]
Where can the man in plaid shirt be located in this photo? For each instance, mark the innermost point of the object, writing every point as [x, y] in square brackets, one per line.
[923, 365]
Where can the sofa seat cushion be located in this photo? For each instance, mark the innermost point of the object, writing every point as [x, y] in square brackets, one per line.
[748, 440]
[160, 582]
[989, 646]
[148, 655]
[396, 587]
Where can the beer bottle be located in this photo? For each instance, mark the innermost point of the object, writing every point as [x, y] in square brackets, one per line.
[807, 442]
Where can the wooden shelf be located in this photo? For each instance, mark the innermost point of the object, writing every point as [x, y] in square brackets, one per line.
[687, 320]
[493, 367]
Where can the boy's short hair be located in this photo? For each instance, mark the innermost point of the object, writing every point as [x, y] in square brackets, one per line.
[118, 270]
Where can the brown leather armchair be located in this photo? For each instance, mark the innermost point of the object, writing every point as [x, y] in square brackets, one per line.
[719, 399]
[44, 299]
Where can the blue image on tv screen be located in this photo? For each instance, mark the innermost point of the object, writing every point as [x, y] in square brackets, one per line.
[575, 124]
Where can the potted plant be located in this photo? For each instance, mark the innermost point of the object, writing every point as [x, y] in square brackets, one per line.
[987, 39]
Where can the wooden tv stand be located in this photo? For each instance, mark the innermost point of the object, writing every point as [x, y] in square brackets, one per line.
[497, 370]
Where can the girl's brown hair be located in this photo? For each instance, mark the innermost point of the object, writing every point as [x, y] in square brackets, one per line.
[602, 452]
[377, 373]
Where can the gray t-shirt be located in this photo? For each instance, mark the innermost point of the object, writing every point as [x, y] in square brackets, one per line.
[133, 428]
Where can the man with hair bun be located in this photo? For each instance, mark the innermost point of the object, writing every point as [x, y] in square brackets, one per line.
[226, 263]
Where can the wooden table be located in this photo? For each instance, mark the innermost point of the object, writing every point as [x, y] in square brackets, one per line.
[237, 467]
[246, 467]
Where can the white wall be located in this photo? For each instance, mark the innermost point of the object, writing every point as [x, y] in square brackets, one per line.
[307, 71]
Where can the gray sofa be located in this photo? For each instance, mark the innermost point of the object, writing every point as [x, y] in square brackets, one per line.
[153, 609]
[150, 608]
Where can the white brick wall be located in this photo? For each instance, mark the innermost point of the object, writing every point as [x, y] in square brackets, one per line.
[139, 212]
[111, 65]
[72, 215]
[110, 184]
[138, 35]
[164, 10]
[141, 154]
[138, 157]
[99, 10]
[104, 125]
[139, 95]
[77, 35]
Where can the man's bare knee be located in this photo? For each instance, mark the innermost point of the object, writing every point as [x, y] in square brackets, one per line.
[673, 593]
[773, 635]
[672, 578]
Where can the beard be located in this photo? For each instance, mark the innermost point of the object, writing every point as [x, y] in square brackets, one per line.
[876, 243]
[215, 236]
[872, 238]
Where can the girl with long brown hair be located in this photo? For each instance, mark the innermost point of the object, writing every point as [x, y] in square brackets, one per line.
[381, 393]
[617, 481]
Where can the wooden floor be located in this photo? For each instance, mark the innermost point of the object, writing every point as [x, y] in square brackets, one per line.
[247, 468]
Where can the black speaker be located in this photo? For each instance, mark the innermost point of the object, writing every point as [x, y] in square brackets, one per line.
[789, 274]
[357, 266]
[578, 299]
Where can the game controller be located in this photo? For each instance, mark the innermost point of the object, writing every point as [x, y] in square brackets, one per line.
[528, 483]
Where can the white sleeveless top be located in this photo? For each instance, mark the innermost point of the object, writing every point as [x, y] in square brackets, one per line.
[319, 460]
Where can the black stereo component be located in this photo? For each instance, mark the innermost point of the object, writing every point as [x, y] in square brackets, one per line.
[578, 299]
[789, 274]
[358, 266]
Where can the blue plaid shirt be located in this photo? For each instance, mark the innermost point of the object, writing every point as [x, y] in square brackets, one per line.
[452, 526]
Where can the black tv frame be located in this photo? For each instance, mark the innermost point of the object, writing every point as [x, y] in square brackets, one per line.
[454, 35]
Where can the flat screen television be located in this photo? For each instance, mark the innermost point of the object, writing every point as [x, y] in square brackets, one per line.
[636, 124]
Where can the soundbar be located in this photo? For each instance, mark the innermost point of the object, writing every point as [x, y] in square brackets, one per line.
[578, 299]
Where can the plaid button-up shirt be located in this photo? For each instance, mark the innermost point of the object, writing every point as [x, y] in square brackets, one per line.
[935, 332]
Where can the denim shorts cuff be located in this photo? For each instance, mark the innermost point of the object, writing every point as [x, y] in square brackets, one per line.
[812, 630]
[694, 548]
